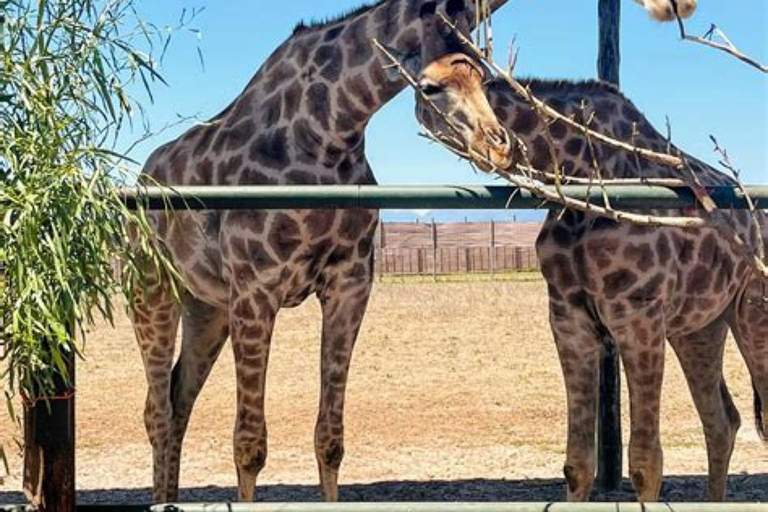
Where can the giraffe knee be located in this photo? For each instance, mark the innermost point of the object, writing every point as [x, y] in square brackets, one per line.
[332, 454]
[734, 419]
[250, 459]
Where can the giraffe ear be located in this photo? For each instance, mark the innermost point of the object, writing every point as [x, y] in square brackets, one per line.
[410, 61]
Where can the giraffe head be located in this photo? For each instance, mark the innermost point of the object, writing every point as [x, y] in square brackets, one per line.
[454, 84]
[664, 10]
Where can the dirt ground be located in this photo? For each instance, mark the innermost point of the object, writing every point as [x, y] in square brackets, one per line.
[455, 393]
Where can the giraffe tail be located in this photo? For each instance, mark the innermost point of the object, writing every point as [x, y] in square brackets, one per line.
[761, 418]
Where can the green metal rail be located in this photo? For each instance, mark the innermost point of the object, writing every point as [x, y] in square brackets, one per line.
[425, 197]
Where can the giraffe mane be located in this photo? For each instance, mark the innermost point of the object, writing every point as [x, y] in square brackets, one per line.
[544, 86]
[303, 26]
[562, 85]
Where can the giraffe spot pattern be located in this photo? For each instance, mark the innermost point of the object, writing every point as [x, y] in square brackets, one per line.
[318, 104]
[284, 236]
[270, 149]
[617, 282]
[292, 99]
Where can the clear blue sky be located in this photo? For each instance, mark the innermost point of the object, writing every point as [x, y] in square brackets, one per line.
[701, 90]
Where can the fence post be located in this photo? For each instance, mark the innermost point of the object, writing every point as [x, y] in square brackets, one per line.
[609, 443]
[493, 249]
[434, 250]
[382, 243]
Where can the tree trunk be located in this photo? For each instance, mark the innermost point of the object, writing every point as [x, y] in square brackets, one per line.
[49, 449]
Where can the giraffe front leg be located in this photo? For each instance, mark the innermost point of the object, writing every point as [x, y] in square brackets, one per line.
[344, 302]
[155, 317]
[578, 347]
[641, 346]
[701, 357]
[251, 322]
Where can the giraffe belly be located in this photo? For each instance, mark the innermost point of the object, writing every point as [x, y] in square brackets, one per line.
[291, 254]
[191, 239]
[683, 278]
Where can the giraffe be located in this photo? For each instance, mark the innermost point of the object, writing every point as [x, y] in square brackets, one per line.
[300, 120]
[639, 285]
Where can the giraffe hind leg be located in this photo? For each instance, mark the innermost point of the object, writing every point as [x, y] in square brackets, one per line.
[343, 307]
[748, 319]
[701, 358]
[204, 330]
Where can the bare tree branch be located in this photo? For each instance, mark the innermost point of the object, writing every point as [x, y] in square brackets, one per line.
[727, 46]
[530, 177]
[659, 158]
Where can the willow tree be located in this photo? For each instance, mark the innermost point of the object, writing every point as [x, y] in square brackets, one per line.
[67, 69]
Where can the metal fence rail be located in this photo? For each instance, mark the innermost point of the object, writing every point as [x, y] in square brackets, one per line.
[424, 197]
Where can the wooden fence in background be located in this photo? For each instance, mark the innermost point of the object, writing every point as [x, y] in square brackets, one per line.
[451, 248]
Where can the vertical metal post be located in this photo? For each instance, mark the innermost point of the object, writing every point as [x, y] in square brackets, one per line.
[493, 249]
[382, 243]
[609, 446]
[434, 250]
[49, 448]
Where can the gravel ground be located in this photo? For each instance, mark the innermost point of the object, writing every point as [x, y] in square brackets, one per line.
[462, 400]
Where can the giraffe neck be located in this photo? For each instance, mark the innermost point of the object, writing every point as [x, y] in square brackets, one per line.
[340, 73]
[611, 114]
[302, 117]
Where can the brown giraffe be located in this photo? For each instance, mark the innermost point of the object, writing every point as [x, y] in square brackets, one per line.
[639, 285]
[300, 120]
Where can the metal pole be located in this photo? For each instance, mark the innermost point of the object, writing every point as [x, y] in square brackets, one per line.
[434, 250]
[493, 249]
[446, 197]
[382, 245]
[609, 445]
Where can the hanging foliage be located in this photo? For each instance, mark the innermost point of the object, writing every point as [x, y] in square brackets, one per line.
[66, 69]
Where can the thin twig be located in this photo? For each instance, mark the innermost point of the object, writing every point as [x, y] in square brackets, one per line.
[594, 160]
[725, 161]
[513, 54]
[414, 84]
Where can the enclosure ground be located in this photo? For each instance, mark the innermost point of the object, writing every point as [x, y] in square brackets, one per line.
[455, 393]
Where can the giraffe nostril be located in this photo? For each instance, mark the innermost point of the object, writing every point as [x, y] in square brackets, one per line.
[498, 136]
[503, 137]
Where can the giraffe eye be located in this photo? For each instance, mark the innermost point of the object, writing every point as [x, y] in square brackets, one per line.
[430, 89]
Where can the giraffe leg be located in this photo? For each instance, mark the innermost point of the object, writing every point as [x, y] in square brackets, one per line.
[343, 305]
[251, 320]
[155, 316]
[641, 346]
[701, 357]
[204, 330]
[578, 346]
[749, 323]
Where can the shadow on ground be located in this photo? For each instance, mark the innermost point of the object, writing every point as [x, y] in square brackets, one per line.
[745, 488]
